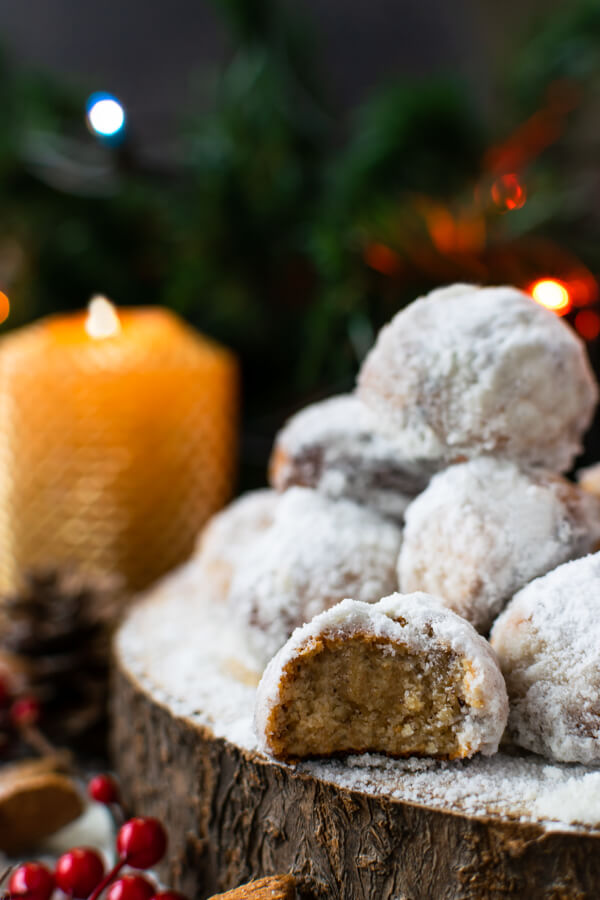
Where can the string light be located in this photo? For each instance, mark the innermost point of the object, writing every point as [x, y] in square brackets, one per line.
[552, 294]
[508, 193]
[105, 115]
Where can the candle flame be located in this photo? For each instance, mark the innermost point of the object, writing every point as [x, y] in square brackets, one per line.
[102, 319]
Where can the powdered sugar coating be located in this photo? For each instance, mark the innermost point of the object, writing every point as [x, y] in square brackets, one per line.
[548, 643]
[483, 529]
[417, 622]
[468, 370]
[188, 655]
[227, 537]
[337, 447]
[316, 552]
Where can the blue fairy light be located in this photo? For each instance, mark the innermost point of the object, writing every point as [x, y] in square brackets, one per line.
[105, 116]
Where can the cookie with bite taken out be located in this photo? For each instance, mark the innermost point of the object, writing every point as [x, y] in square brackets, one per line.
[402, 677]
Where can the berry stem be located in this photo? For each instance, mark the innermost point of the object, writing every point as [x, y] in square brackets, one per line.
[110, 876]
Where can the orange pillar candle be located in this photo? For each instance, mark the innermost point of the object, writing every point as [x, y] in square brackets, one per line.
[117, 442]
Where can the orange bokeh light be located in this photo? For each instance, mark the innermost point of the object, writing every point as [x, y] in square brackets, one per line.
[508, 193]
[452, 234]
[583, 288]
[552, 294]
[4, 307]
[382, 258]
[587, 323]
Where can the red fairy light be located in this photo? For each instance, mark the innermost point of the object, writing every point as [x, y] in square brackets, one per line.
[508, 193]
[587, 323]
[552, 294]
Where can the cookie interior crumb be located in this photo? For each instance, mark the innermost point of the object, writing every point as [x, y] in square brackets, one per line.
[355, 697]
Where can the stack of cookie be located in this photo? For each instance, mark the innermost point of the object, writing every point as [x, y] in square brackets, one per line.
[440, 477]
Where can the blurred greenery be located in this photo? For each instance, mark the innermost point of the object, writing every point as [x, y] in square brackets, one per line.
[289, 231]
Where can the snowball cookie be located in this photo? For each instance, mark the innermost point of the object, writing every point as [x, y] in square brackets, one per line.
[227, 536]
[484, 528]
[548, 644]
[403, 677]
[336, 447]
[316, 552]
[470, 370]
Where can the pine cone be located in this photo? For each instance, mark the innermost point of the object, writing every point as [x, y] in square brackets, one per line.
[60, 626]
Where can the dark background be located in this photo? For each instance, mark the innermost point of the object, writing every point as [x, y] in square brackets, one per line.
[150, 52]
[293, 174]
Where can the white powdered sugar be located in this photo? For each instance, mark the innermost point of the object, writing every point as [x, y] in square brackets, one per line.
[337, 447]
[525, 788]
[228, 535]
[316, 552]
[190, 657]
[578, 799]
[470, 370]
[415, 622]
[181, 645]
[483, 529]
[548, 643]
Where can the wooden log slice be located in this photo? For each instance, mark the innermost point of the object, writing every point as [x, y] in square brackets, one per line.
[364, 828]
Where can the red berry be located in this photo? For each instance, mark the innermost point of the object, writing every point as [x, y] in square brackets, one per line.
[25, 712]
[169, 895]
[79, 871]
[141, 842]
[103, 789]
[31, 880]
[131, 887]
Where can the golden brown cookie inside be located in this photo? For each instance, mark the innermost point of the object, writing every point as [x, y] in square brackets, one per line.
[368, 694]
